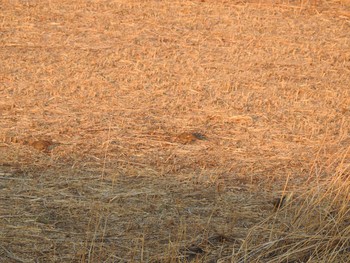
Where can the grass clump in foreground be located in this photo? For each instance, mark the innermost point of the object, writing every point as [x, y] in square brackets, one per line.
[313, 227]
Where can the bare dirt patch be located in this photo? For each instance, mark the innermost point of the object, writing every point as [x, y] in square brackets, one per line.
[162, 131]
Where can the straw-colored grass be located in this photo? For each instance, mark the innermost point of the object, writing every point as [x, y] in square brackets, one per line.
[163, 131]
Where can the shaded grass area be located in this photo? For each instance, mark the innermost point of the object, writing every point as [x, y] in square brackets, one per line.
[77, 215]
[158, 131]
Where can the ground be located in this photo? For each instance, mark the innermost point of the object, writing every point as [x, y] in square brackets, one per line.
[174, 131]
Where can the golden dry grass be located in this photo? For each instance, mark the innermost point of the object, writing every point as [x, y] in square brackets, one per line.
[162, 131]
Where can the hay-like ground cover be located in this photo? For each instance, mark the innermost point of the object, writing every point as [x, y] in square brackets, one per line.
[98, 103]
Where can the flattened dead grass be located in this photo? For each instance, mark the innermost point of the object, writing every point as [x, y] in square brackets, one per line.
[162, 131]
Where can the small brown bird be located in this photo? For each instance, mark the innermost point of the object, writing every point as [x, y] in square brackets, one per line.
[43, 145]
[281, 201]
[189, 137]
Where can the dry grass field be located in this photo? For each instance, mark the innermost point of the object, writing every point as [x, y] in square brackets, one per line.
[174, 131]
